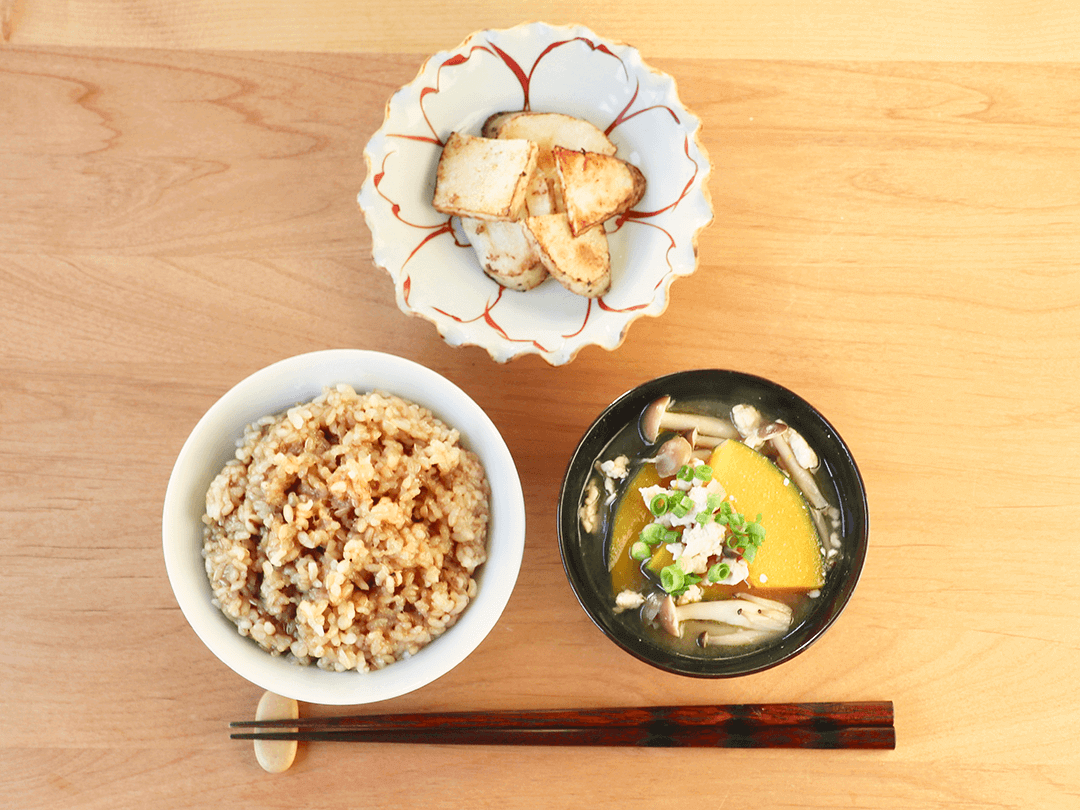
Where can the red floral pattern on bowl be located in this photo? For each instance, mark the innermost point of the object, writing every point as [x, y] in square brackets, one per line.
[542, 68]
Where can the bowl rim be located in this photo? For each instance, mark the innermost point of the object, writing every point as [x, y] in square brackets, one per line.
[795, 641]
[298, 379]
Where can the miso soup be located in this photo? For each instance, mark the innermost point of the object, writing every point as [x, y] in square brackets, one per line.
[719, 526]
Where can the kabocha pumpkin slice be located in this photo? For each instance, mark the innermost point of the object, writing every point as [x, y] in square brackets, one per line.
[790, 556]
[633, 517]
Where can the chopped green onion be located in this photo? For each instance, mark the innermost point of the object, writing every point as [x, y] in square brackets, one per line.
[713, 501]
[672, 578]
[670, 536]
[703, 472]
[726, 513]
[704, 517]
[679, 503]
[653, 534]
[744, 537]
[685, 473]
[718, 572]
[640, 551]
[659, 504]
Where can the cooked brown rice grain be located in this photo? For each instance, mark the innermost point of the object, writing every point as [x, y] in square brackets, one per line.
[346, 530]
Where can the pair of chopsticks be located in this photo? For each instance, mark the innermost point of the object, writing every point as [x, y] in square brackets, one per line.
[867, 724]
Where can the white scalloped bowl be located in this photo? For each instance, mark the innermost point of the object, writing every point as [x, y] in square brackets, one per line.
[273, 389]
[542, 68]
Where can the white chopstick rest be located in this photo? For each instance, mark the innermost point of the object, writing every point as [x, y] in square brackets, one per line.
[276, 756]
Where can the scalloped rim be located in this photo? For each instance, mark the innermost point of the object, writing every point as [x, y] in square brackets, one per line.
[503, 350]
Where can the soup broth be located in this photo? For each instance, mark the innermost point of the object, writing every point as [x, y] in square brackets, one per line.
[747, 565]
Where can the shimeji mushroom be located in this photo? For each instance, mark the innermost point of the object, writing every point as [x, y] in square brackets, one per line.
[710, 430]
[802, 477]
[755, 431]
[673, 454]
[738, 637]
[742, 612]
[804, 453]
[735, 637]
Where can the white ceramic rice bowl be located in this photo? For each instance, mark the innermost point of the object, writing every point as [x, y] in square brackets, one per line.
[273, 389]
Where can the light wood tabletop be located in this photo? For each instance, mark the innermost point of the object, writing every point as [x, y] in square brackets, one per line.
[896, 239]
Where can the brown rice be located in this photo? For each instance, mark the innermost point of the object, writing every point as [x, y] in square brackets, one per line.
[346, 530]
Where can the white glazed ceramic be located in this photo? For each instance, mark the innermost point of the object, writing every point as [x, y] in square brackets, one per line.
[542, 68]
[271, 390]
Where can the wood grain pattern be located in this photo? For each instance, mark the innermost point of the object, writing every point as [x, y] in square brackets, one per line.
[898, 241]
[923, 30]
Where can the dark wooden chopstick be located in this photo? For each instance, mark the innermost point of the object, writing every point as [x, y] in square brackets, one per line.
[862, 713]
[867, 737]
[867, 724]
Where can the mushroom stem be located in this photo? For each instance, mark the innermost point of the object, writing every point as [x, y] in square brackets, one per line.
[736, 638]
[707, 425]
[771, 604]
[709, 442]
[803, 478]
[819, 522]
[804, 453]
[657, 418]
[750, 614]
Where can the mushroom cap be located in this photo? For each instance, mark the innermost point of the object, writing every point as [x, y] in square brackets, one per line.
[673, 453]
[650, 418]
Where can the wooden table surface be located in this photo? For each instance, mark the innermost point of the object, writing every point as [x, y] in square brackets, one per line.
[896, 238]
